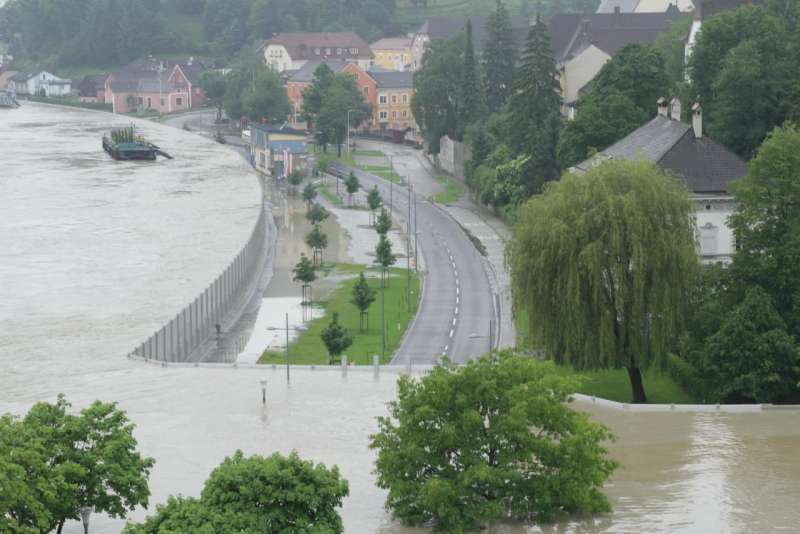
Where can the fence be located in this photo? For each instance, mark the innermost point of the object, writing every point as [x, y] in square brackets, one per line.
[221, 301]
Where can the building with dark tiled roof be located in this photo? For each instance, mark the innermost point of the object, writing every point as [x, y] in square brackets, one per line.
[290, 51]
[706, 167]
[582, 44]
[393, 111]
[644, 6]
[92, 88]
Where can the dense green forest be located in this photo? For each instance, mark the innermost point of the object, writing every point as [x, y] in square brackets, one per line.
[106, 33]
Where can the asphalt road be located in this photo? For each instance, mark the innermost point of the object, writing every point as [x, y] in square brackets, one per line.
[457, 307]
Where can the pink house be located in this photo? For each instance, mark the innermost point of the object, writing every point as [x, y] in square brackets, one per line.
[186, 76]
[148, 90]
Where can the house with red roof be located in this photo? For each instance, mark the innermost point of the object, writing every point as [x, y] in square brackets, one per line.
[291, 51]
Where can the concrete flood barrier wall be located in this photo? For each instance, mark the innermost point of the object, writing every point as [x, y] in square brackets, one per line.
[213, 310]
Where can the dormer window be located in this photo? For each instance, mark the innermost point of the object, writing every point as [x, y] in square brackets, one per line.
[327, 51]
[338, 51]
[316, 51]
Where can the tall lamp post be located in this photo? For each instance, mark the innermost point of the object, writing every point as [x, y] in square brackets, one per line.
[348, 128]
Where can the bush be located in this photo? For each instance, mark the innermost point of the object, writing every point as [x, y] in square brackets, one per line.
[466, 446]
[686, 376]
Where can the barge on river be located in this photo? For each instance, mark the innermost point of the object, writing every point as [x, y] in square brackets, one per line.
[124, 144]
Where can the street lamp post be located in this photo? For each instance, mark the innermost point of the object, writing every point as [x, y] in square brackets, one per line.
[86, 511]
[408, 251]
[348, 129]
[263, 383]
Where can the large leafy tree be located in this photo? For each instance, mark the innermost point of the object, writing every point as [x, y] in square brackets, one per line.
[266, 98]
[341, 96]
[535, 109]
[765, 225]
[752, 358]
[602, 265]
[638, 72]
[465, 446]
[744, 73]
[253, 495]
[600, 122]
[312, 95]
[500, 52]
[436, 90]
[214, 86]
[98, 452]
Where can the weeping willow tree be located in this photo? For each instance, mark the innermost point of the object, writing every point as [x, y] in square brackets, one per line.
[601, 263]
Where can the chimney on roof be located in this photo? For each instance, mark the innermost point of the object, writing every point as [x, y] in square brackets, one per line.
[697, 120]
[675, 111]
[662, 106]
[617, 10]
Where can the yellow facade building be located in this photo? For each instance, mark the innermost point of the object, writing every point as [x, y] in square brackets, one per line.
[393, 108]
[393, 53]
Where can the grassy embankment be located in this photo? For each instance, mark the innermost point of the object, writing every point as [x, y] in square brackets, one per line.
[453, 190]
[613, 384]
[308, 347]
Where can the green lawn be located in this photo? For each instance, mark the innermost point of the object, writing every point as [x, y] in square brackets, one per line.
[453, 189]
[330, 196]
[387, 175]
[369, 153]
[308, 347]
[613, 384]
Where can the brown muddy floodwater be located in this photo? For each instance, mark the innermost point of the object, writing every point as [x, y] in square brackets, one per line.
[96, 254]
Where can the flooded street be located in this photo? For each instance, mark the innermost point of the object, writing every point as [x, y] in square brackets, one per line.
[97, 254]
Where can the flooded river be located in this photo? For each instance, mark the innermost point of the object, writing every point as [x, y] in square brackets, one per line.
[95, 255]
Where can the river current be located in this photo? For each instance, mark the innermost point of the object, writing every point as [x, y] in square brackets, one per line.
[95, 255]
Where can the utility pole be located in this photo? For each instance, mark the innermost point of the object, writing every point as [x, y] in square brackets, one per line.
[391, 183]
[383, 321]
[408, 252]
[416, 235]
[287, 348]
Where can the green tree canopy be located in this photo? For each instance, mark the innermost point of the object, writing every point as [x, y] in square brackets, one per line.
[317, 213]
[266, 98]
[317, 240]
[752, 358]
[214, 86]
[352, 185]
[383, 253]
[471, 105]
[536, 109]
[745, 75]
[336, 338]
[602, 264]
[765, 225]
[600, 122]
[331, 99]
[637, 72]
[500, 52]
[436, 89]
[304, 271]
[254, 495]
[383, 223]
[465, 446]
[363, 297]
[309, 193]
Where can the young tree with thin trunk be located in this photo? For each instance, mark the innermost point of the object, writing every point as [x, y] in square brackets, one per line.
[374, 202]
[336, 338]
[317, 213]
[383, 223]
[309, 194]
[352, 185]
[363, 297]
[295, 179]
[602, 264]
[304, 273]
[317, 241]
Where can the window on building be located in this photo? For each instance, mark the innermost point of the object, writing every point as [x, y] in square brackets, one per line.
[162, 102]
[405, 99]
[394, 114]
[354, 50]
[394, 99]
[383, 115]
[405, 114]
[140, 101]
[327, 51]
[708, 239]
[366, 90]
[316, 51]
[179, 101]
[149, 103]
[382, 99]
[338, 51]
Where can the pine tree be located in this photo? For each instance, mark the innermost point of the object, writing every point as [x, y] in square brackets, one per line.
[535, 109]
[499, 58]
[471, 103]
